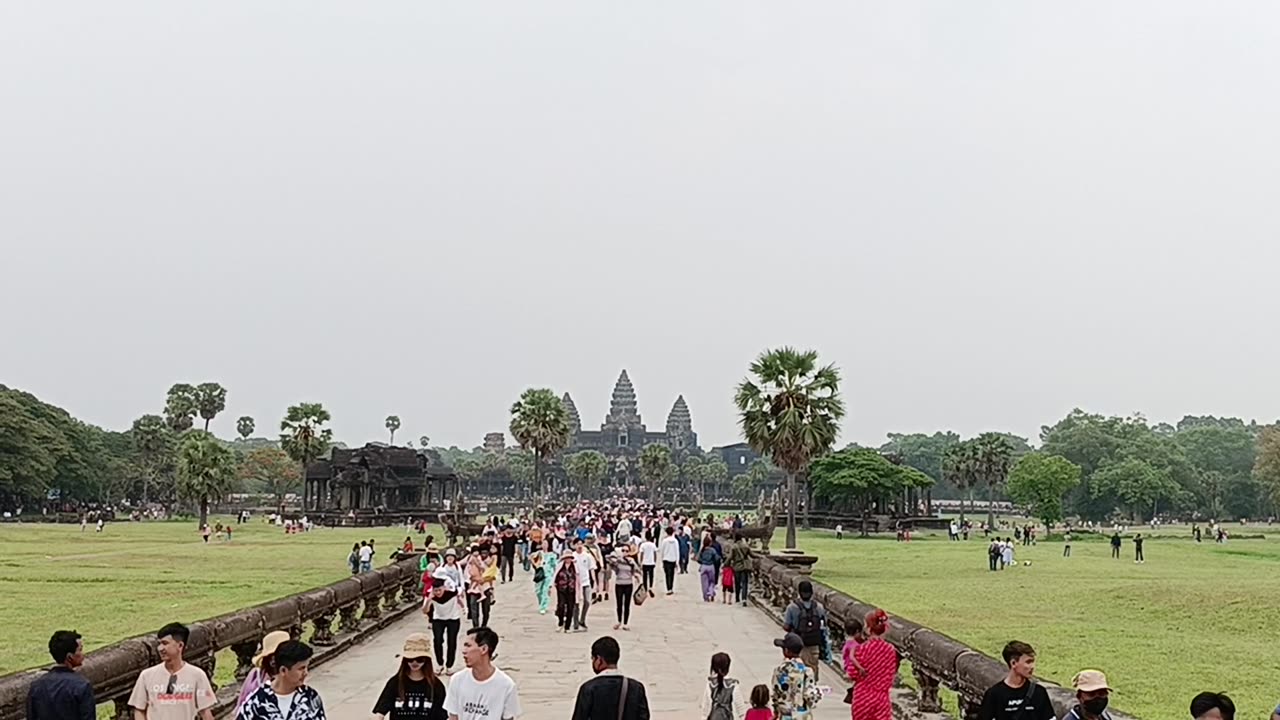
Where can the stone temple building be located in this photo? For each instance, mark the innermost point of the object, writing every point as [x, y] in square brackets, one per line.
[623, 434]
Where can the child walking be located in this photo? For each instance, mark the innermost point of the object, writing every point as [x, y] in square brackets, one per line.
[759, 704]
[726, 584]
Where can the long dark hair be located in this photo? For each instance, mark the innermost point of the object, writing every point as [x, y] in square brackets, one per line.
[720, 668]
[403, 675]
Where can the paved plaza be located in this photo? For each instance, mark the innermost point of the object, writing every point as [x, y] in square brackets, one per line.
[668, 648]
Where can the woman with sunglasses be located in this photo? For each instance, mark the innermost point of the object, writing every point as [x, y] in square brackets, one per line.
[414, 692]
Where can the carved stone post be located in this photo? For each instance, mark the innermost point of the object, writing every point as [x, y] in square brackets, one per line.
[323, 634]
[347, 619]
[123, 711]
[928, 690]
[295, 631]
[409, 589]
[244, 657]
[371, 609]
[209, 664]
[390, 601]
[969, 709]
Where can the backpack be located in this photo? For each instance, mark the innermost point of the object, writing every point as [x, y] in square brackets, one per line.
[721, 704]
[809, 626]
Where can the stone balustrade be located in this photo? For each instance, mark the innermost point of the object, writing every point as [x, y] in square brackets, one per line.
[937, 661]
[361, 603]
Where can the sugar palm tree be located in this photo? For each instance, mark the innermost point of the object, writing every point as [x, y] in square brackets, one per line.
[586, 469]
[393, 424]
[540, 423]
[790, 410]
[993, 457]
[180, 406]
[656, 469]
[206, 470]
[245, 426]
[211, 399]
[302, 436]
[960, 468]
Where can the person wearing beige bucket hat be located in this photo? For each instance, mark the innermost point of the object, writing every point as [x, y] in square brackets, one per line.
[1092, 695]
[414, 692]
[264, 666]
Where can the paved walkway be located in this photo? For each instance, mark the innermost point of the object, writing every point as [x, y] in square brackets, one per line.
[668, 648]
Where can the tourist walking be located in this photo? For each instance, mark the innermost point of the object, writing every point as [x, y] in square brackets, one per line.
[684, 541]
[857, 634]
[585, 565]
[625, 569]
[543, 564]
[740, 562]
[648, 560]
[366, 557]
[670, 552]
[806, 617]
[264, 667]
[610, 695]
[721, 701]
[566, 582]
[479, 585]
[414, 692]
[879, 662]
[507, 560]
[1115, 544]
[446, 612]
[287, 697]
[794, 689]
[62, 693]
[353, 559]
[1017, 696]
[708, 559]
[174, 688]
[1137, 549]
[759, 704]
[1092, 695]
[481, 691]
[1066, 544]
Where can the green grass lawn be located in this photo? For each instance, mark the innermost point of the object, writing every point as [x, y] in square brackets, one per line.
[135, 577]
[1192, 618]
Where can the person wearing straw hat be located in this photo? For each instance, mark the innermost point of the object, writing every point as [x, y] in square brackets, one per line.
[1092, 695]
[446, 613]
[264, 666]
[414, 692]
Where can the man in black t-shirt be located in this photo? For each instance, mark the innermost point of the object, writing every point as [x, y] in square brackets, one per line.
[1017, 696]
[507, 559]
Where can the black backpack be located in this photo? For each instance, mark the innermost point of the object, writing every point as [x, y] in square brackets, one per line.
[809, 626]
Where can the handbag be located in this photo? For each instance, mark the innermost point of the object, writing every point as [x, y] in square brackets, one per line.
[640, 595]
[539, 575]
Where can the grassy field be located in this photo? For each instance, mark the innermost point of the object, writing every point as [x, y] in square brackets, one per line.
[1192, 618]
[135, 577]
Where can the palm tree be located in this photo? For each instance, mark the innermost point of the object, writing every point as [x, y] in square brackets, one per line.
[393, 424]
[211, 399]
[960, 468]
[656, 469]
[993, 457]
[302, 437]
[540, 423]
[206, 469]
[180, 407]
[153, 443]
[791, 412]
[586, 469]
[715, 472]
[245, 426]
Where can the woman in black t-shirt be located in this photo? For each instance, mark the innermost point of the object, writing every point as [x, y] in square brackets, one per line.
[413, 693]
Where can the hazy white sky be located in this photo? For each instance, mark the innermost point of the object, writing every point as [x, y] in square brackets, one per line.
[986, 213]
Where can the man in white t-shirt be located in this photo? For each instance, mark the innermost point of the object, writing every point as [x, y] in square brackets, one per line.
[670, 551]
[482, 691]
[585, 564]
[366, 557]
[648, 561]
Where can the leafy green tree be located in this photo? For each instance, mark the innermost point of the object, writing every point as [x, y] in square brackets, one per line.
[861, 476]
[994, 457]
[211, 399]
[925, 453]
[540, 423]
[272, 471]
[519, 464]
[303, 437]
[1040, 481]
[180, 407]
[1266, 465]
[714, 472]
[586, 469]
[790, 411]
[960, 469]
[206, 469]
[29, 450]
[393, 424]
[1136, 483]
[656, 469]
[154, 446]
[245, 427]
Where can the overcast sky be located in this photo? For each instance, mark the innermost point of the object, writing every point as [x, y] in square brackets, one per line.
[985, 213]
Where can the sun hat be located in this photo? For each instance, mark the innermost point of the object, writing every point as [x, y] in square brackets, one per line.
[269, 645]
[790, 642]
[451, 551]
[417, 645]
[432, 548]
[1090, 681]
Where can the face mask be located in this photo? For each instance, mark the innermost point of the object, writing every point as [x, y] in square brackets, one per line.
[1095, 706]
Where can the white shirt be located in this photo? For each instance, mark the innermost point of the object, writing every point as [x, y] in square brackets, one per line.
[648, 553]
[584, 563]
[670, 549]
[366, 553]
[286, 702]
[493, 699]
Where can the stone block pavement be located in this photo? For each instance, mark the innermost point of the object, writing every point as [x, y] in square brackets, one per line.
[668, 648]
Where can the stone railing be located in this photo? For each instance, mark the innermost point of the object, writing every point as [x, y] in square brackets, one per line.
[936, 660]
[360, 604]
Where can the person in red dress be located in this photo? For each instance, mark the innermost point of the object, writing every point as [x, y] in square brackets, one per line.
[879, 662]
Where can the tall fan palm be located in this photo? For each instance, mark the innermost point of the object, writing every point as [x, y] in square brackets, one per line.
[791, 411]
[960, 468]
[586, 469]
[211, 399]
[180, 406]
[656, 469]
[302, 436]
[206, 469]
[393, 424]
[245, 427]
[993, 457]
[540, 423]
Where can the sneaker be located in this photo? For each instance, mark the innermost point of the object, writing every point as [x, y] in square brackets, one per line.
[542, 612]
[617, 625]
[669, 592]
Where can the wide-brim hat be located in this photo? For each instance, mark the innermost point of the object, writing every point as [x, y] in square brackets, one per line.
[1090, 681]
[433, 548]
[269, 645]
[417, 645]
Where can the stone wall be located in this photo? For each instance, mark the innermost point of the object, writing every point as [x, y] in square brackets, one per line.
[937, 661]
[360, 604]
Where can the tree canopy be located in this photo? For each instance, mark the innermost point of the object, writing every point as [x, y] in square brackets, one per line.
[1039, 481]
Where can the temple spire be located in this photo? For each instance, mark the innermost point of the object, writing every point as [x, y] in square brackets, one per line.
[622, 408]
[575, 422]
[679, 420]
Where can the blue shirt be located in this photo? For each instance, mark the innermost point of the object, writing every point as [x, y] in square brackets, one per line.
[61, 694]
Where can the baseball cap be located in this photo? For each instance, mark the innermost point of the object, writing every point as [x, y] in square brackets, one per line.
[1090, 681]
[791, 642]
